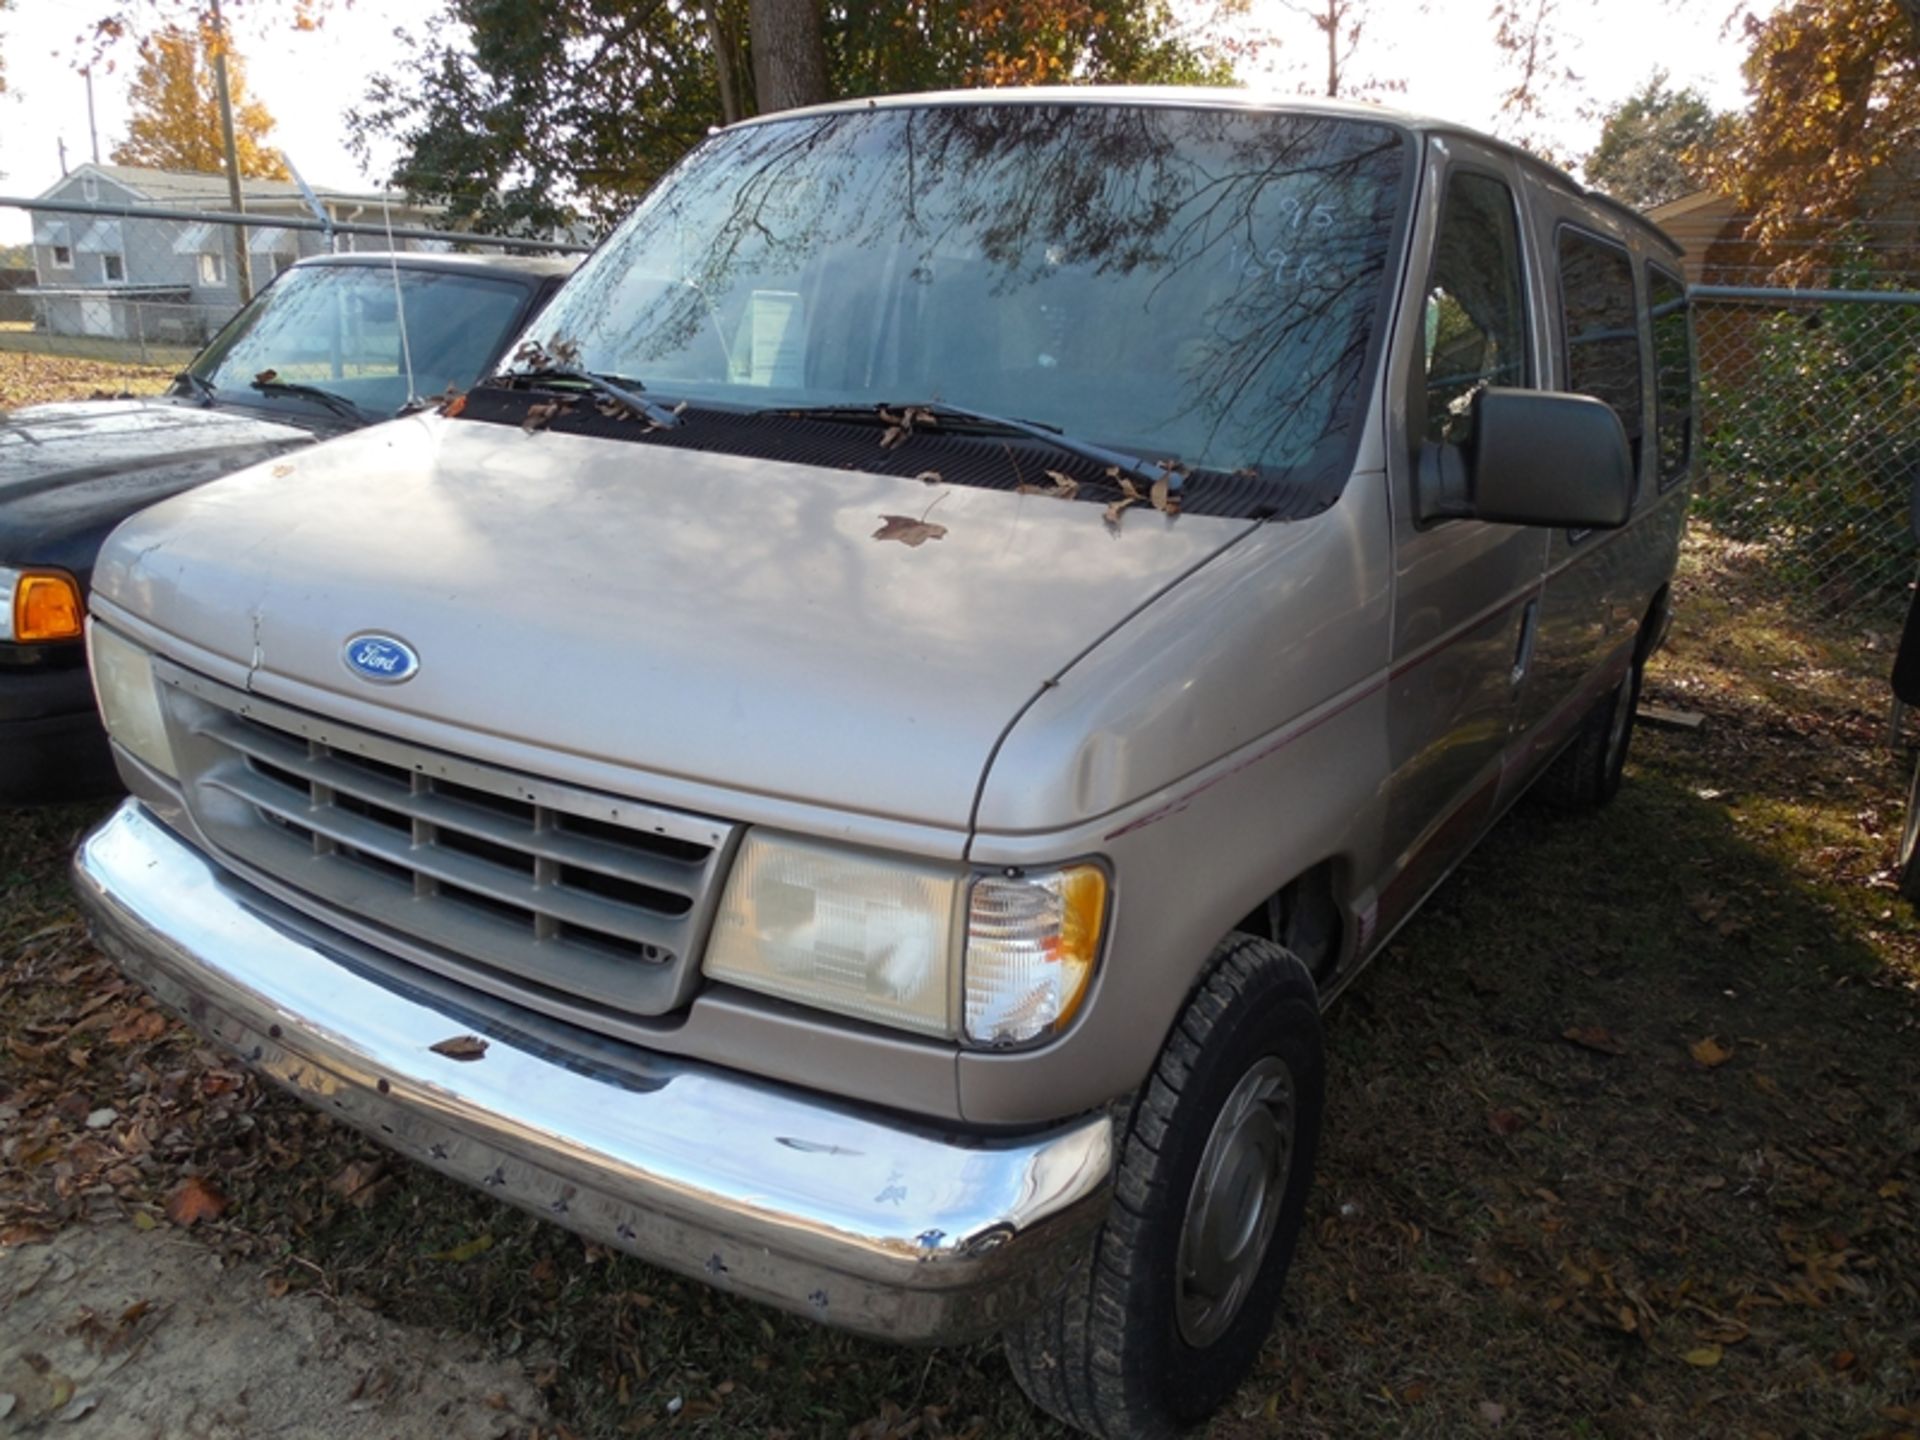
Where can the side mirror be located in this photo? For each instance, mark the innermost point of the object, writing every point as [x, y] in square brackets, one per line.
[1535, 458]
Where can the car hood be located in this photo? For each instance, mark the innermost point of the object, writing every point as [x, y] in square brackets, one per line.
[700, 616]
[70, 473]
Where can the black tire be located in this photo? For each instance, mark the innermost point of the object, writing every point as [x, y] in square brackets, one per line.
[1111, 1355]
[1908, 863]
[1586, 775]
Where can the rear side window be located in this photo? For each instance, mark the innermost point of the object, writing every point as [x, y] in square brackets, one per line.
[1672, 375]
[1600, 327]
[1476, 311]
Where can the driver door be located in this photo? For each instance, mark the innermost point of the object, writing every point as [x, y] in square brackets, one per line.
[1467, 592]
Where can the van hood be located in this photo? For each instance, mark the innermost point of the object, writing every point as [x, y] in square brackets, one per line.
[701, 616]
[70, 473]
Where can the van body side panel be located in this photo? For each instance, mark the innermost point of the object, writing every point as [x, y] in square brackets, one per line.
[1233, 741]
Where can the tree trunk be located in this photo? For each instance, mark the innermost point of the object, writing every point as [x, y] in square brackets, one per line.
[789, 53]
[725, 64]
[1332, 23]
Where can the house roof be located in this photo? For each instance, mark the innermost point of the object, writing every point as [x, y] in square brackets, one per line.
[1689, 204]
[196, 189]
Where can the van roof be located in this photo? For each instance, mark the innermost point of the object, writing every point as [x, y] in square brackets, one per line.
[1200, 97]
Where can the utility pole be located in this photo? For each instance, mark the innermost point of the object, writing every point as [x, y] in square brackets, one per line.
[93, 130]
[242, 273]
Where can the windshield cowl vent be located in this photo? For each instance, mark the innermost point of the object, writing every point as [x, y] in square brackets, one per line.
[978, 461]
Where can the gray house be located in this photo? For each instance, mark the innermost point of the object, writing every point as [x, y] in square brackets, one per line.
[175, 282]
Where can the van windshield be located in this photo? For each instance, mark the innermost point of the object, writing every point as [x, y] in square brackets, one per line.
[1192, 284]
[336, 328]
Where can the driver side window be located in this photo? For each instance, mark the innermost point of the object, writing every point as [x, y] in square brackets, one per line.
[1476, 310]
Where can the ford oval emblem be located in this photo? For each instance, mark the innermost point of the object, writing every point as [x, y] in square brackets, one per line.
[381, 658]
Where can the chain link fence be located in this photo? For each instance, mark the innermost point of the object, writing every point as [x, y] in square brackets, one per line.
[1809, 404]
[150, 284]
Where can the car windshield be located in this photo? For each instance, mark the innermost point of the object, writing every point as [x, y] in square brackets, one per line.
[1198, 284]
[336, 327]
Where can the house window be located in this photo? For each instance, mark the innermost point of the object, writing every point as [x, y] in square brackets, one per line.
[63, 257]
[213, 268]
[90, 187]
[114, 266]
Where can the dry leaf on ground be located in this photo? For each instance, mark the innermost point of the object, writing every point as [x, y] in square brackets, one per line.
[1597, 1038]
[195, 1200]
[1709, 1052]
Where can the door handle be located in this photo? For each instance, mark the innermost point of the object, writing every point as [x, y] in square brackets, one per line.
[1523, 652]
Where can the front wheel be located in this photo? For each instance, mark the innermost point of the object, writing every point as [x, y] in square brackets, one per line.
[1166, 1316]
[1909, 864]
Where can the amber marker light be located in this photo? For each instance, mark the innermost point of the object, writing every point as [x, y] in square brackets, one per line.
[45, 606]
[1033, 944]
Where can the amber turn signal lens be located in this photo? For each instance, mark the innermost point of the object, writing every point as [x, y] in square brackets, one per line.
[47, 607]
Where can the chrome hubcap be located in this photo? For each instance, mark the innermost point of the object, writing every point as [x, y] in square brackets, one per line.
[1235, 1203]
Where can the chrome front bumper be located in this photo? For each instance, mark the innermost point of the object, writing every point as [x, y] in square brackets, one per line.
[849, 1216]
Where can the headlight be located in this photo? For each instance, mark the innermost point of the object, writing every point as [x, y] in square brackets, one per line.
[38, 606]
[1001, 961]
[123, 683]
[860, 934]
[1033, 941]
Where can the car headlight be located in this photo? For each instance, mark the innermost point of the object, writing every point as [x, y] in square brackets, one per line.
[39, 605]
[997, 960]
[129, 697]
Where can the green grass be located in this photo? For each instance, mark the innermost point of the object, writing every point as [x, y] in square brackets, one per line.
[1509, 1234]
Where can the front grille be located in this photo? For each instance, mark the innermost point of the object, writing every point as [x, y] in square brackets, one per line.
[586, 896]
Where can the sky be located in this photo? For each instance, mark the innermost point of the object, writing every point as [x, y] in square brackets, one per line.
[1441, 48]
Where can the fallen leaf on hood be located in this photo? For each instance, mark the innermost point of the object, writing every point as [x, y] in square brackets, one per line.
[1704, 1356]
[931, 477]
[453, 403]
[1064, 487]
[266, 377]
[195, 1200]
[280, 472]
[461, 1047]
[1709, 1052]
[539, 416]
[1116, 510]
[1593, 1037]
[908, 531]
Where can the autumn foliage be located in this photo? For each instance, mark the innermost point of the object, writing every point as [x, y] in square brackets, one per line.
[1833, 131]
[176, 115]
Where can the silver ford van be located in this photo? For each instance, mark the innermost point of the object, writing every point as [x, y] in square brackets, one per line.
[854, 766]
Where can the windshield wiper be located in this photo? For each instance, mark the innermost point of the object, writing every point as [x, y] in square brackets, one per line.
[339, 404]
[1132, 466]
[613, 389]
